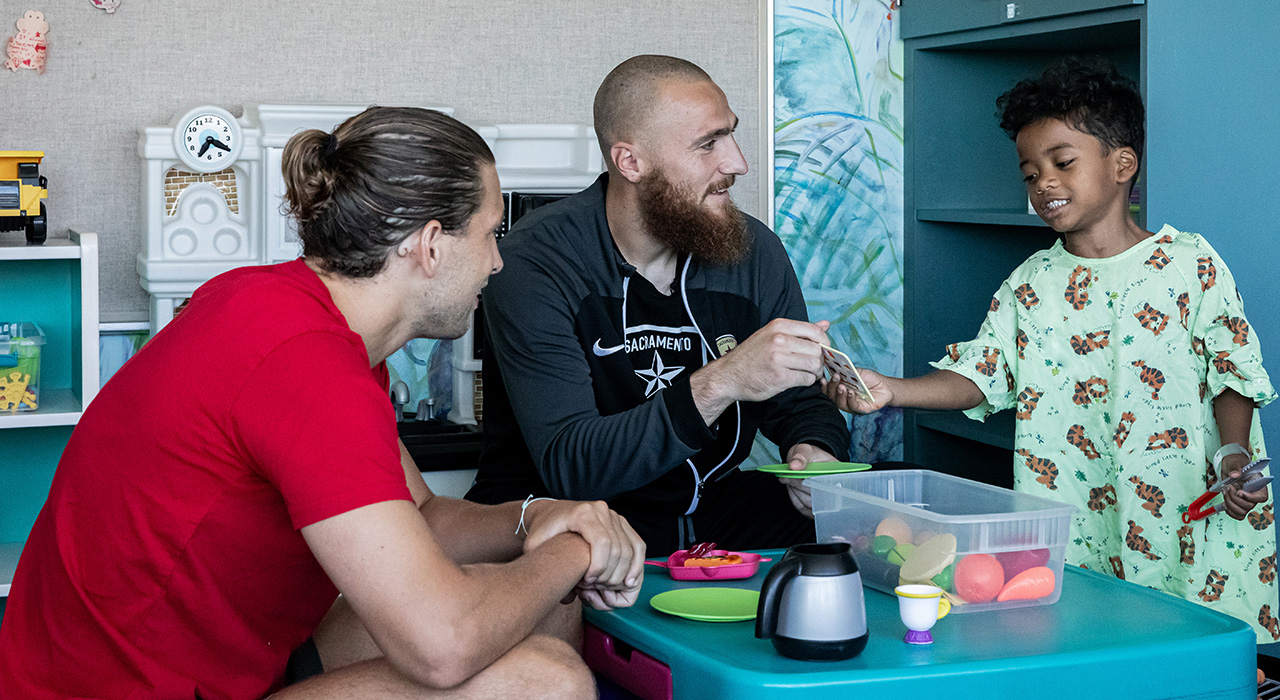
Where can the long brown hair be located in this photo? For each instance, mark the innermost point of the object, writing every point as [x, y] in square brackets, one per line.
[380, 176]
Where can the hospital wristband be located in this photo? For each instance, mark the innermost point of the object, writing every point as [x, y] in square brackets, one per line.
[1231, 448]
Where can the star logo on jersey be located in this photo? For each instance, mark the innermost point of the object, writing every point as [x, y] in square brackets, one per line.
[658, 376]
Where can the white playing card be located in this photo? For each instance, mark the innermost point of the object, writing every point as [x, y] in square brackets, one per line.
[840, 367]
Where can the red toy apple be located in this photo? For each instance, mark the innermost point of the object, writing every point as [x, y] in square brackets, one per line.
[1015, 563]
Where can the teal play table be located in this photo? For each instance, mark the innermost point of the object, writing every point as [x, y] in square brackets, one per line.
[1103, 639]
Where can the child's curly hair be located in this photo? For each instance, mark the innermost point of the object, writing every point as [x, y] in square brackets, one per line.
[1089, 94]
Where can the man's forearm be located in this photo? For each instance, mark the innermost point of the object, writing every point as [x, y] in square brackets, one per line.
[472, 533]
[538, 580]
[433, 620]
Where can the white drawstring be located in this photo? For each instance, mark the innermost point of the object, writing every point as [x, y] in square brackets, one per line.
[707, 351]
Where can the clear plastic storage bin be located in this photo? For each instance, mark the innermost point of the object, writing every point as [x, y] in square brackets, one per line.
[989, 548]
[20, 345]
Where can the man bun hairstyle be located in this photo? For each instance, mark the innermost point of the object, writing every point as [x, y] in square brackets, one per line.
[380, 176]
[626, 97]
[1087, 93]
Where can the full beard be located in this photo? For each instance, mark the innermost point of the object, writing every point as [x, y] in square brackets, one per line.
[675, 216]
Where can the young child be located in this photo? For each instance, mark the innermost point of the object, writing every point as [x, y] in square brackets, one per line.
[1126, 356]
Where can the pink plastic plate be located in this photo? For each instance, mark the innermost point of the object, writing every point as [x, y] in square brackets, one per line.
[675, 566]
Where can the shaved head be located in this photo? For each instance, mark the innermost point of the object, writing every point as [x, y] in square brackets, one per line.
[624, 103]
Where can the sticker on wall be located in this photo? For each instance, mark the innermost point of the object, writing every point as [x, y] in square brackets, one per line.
[108, 5]
[29, 47]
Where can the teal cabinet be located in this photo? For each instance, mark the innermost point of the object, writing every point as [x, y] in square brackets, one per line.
[55, 286]
[940, 16]
[1206, 72]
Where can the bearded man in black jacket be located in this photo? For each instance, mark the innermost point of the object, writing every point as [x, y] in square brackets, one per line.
[644, 329]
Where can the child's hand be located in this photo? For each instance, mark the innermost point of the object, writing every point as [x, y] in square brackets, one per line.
[1236, 502]
[849, 399]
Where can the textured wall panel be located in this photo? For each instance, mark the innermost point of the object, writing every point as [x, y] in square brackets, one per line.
[495, 61]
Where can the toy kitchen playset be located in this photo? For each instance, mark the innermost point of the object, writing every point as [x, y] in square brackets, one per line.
[212, 201]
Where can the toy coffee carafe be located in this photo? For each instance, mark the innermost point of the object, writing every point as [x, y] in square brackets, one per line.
[811, 604]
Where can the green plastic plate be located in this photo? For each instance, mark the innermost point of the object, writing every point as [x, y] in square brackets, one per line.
[708, 604]
[815, 469]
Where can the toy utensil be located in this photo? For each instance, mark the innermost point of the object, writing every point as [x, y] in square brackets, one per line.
[701, 549]
[1250, 479]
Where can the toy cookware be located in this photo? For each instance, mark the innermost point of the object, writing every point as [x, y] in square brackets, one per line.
[675, 566]
[811, 604]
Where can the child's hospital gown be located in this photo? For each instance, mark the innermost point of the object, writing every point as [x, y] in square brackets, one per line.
[1112, 365]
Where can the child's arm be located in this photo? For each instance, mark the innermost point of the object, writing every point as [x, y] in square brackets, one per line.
[1234, 415]
[941, 390]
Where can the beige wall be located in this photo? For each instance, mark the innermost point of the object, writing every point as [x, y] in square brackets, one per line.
[494, 61]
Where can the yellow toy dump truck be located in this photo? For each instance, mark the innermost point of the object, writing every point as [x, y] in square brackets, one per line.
[21, 189]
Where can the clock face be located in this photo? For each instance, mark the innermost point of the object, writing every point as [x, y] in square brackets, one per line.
[209, 142]
[207, 139]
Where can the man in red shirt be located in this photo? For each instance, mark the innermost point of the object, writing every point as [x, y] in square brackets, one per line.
[243, 469]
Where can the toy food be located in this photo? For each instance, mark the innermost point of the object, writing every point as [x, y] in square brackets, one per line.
[1015, 563]
[942, 580]
[703, 554]
[929, 559]
[713, 560]
[979, 578]
[900, 553]
[716, 564]
[1036, 582]
[895, 528]
[945, 577]
[882, 545]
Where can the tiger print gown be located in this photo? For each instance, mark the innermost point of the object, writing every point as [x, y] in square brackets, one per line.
[1111, 366]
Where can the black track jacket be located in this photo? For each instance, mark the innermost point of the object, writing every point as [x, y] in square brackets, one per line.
[563, 419]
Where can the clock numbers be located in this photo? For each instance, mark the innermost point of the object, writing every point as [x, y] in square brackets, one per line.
[207, 140]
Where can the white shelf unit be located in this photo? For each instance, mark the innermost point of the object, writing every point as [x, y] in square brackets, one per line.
[56, 286]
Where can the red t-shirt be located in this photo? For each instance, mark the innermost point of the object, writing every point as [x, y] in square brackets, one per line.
[167, 561]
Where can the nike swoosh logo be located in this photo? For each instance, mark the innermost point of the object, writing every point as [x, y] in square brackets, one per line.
[601, 352]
